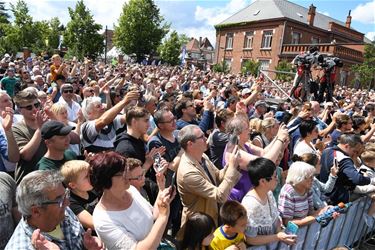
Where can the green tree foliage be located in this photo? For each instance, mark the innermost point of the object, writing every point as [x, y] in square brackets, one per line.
[170, 50]
[81, 35]
[23, 32]
[4, 15]
[52, 36]
[250, 67]
[366, 70]
[284, 65]
[140, 29]
[221, 67]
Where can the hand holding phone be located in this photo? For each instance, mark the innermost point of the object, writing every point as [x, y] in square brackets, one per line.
[173, 183]
[291, 228]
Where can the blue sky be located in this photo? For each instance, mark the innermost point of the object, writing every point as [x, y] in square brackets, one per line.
[197, 17]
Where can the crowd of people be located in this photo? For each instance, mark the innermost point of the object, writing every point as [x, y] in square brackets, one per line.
[129, 156]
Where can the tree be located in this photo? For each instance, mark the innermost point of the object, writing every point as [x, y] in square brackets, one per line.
[140, 28]
[284, 65]
[170, 50]
[55, 30]
[221, 67]
[250, 66]
[82, 34]
[366, 70]
[4, 16]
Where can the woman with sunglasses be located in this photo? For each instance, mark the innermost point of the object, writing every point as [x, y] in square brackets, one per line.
[123, 219]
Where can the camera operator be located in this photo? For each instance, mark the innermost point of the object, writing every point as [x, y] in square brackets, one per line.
[303, 63]
[327, 82]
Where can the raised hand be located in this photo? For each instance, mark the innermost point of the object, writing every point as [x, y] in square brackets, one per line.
[7, 116]
[39, 242]
[91, 242]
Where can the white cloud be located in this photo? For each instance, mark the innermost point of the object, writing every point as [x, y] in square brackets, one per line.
[371, 35]
[202, 31]
[104, 12]
[215, 15]
[365, 13]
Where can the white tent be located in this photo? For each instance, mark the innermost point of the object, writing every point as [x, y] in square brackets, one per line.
[114, 52]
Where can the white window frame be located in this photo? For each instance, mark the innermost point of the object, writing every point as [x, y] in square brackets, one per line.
[296, 37]
[315, 38]
[267, 39]
[229, 40]
[249, 40]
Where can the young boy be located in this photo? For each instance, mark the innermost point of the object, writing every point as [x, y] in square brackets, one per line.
[234, 218]
[82, 199]
[56, 68]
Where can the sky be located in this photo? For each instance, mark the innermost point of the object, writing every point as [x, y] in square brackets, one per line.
[196, 18]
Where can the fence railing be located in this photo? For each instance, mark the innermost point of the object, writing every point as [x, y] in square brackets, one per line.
[348, 229]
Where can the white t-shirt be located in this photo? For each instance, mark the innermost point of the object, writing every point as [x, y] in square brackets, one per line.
[302, 148]
[123, 229]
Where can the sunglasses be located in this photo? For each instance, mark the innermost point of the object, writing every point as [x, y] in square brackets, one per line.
[68, 91]
[60, 201]
[30, 107]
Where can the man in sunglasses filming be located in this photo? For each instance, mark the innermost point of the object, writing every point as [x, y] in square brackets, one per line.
[72, 107]
[47, 221]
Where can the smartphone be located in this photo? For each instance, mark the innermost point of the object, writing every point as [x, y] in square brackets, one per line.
[173, 182]
[291, 228]
[157, 163]
[335, 162]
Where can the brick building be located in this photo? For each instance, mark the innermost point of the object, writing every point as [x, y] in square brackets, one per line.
[272, 30]
[199, 52]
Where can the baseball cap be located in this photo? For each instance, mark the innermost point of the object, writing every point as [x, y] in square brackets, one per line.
[245, 91]
[259, 103]
[52, 128]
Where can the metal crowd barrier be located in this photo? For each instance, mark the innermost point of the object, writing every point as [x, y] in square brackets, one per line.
[348, 230]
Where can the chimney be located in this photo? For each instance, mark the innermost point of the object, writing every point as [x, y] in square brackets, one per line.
[311, 15]
[348, 20]
[200, 41]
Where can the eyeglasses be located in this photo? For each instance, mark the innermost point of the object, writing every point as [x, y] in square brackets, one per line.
[200, 137]
[68, 91]
[191, 105]
[271, 178]
[170, 121]
[60, 201]
[137, 178]
[30, 107]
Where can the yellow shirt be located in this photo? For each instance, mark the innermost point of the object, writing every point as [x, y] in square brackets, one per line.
[222, 241]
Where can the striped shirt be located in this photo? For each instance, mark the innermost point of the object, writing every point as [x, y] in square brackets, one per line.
[293, 205]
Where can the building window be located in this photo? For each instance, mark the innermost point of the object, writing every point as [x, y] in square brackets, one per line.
[195, 55]
[264, 64]
[315, 40]
[228, 62]
[248, 43]
[296, 38]
[229, 42]
[267, 39]
[208, 56]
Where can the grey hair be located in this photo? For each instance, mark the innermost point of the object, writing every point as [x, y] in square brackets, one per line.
[150, 98]
[89, 104]
[33, 187]
[236, 125]
[187, 134]
[351, 139]
[298, 172]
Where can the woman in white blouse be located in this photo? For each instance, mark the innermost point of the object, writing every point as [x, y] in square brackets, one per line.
[123, 219]
[264, 223]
